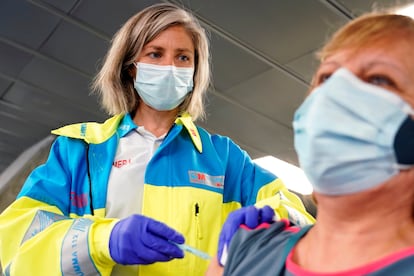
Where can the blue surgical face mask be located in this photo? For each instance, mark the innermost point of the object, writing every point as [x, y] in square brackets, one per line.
[351, 136]
[163, 87]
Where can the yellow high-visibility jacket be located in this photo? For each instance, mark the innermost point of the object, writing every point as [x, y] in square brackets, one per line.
[57, 225]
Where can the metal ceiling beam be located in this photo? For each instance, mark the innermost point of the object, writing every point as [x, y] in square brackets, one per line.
[248, 109]
[36, 53]
[338, 8]
[51, 9]
[16, 112]
[47, 93]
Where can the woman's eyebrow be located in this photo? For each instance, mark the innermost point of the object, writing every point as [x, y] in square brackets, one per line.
[185, 50]
[329, 63]
[153, 47]
[386, 63]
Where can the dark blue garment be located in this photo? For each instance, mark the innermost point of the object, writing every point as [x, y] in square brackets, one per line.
[263, 251]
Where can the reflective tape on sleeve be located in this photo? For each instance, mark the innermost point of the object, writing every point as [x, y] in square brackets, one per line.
[40, 222]
[75, 257]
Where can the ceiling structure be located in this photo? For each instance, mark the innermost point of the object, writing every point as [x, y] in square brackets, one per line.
[262, 61]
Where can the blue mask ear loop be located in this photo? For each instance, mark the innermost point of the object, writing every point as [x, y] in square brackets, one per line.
[193, 251]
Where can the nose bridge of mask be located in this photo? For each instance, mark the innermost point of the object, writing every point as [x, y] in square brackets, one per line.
[358, 95]
[149, 73]
[180, 76]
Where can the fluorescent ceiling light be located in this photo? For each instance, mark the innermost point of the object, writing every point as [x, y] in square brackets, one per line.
[407, 10]
[293, 177]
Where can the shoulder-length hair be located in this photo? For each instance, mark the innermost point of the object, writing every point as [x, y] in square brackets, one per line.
[114, 83]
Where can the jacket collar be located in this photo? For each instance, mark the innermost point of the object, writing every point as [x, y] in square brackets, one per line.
[96, 133]
[186, 120]
[91, 132]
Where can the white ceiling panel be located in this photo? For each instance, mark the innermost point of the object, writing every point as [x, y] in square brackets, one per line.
[304, 65]
[282, 30]
[12, 60]
[16, 142]
[60, 80]
[82, 53]
[47, 107]
[232, 65]
[357, 7]
[19, 125]
[4, 85]
[108, 16]
[31, 116]
[247, 127]
[26, 24]
[273, 94]
[8, 150]
[65, 5]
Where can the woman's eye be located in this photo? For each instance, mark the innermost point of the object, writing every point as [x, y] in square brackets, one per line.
[154, 55]
[183, 58]
[322, 78]
[380, 80]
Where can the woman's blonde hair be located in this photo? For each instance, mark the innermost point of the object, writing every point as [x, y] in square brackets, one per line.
[114, 83]
[370, 29]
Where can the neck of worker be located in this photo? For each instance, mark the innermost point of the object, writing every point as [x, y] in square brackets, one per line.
[155, 121]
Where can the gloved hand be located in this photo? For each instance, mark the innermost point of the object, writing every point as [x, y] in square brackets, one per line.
[249, 216]
[141, 240]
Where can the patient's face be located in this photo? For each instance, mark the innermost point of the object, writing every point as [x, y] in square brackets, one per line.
[390, 66]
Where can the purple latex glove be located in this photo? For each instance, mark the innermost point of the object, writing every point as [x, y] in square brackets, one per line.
[141, 240]
[249, 216]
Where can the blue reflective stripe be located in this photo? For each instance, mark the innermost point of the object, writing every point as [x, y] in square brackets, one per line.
[83, 130]
[75, 257]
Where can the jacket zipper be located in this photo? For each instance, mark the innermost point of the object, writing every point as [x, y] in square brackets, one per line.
[197, 221]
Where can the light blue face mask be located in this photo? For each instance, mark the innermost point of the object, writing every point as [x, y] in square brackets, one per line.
[351, 136]
[163, 87]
